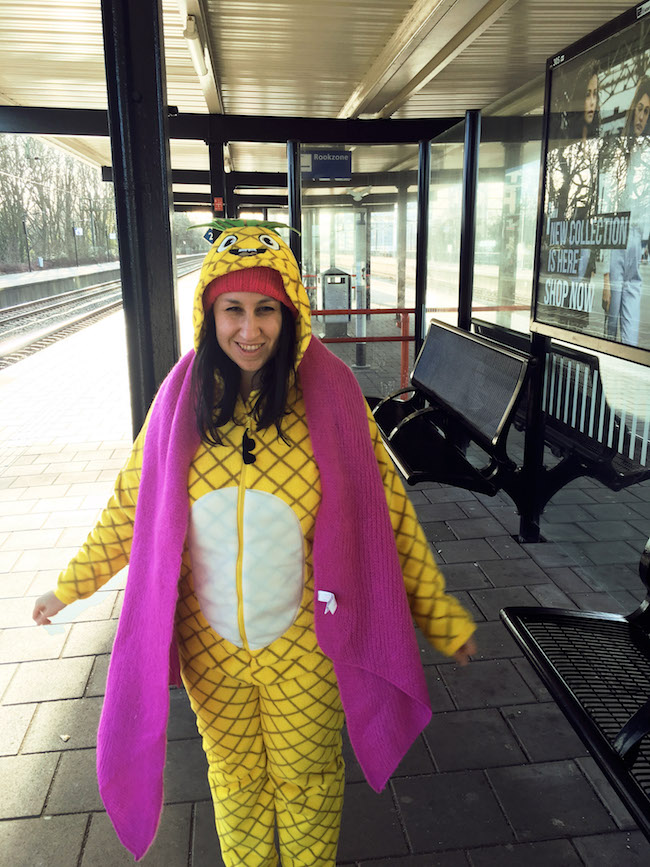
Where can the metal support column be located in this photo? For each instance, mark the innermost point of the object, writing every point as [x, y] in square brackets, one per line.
[533, 467]
[316, 242]
[332, 238]
[468, 218]
[294, 191]
[422, 242]
[512, 221]
[360, 261]
[401, 211]
[230, 204]
[137, 105]
[218, 189]
[368, 259]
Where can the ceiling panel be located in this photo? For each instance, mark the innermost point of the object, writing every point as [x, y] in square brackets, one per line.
[298, 57]
[51, 54]
[511, 52]
[189, 155]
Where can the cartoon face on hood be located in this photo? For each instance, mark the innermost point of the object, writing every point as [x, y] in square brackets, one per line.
[240, 247]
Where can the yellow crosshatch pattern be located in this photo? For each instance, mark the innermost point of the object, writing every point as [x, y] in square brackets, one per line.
[274, 752]
[286, 470]
[108, 545]
[106, 550]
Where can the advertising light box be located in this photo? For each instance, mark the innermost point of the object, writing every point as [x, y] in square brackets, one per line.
[592, 273]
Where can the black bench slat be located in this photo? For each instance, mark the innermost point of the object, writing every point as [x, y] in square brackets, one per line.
[474, 378]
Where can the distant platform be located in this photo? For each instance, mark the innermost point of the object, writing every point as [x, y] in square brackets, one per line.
[25, 286]
[43, 275]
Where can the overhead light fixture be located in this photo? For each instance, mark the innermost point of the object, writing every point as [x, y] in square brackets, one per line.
[358, 193]
[194, 43]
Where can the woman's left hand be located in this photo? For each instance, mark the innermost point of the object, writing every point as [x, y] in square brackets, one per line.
[463, 653]
[46, 606]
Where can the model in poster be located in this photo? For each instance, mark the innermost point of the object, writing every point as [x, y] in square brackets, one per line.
[629, 189]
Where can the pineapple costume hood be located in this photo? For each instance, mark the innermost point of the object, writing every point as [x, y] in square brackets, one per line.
[237, 250]
[369, 637]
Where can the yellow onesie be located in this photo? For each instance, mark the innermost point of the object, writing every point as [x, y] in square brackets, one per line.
[265, 696]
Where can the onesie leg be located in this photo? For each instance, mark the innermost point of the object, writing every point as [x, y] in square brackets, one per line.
[228, 719]
[301, 722]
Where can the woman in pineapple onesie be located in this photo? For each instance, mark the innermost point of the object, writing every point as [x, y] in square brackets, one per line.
[275, 563]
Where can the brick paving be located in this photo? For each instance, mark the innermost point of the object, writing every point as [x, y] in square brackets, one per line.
[498, 777]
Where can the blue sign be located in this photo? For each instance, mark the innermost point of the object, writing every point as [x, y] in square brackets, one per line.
[210, 235]
[324, 165]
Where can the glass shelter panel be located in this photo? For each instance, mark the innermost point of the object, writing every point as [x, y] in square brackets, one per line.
[64, 387]
[358, 253]
[505, 233]
[445, 207]
[506, 218]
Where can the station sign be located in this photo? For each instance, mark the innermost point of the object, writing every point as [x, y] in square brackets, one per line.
[326, 165]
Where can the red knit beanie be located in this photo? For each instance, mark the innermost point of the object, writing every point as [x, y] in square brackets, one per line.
[265, 281]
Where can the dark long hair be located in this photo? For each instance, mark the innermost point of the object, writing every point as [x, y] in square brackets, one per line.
[216, 379]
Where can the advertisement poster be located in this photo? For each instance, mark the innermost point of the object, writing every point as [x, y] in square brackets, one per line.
[594, 272]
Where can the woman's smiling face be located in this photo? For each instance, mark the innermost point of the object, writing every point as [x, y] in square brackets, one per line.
[247, 327]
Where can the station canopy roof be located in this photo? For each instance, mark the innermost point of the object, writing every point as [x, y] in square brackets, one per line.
[298, 58]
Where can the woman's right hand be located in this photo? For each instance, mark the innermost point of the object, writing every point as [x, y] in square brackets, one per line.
[46, 606]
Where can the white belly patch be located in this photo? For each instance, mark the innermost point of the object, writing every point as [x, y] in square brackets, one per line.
[272, 564]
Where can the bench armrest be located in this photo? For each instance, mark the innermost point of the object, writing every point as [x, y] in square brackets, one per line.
[393, 396]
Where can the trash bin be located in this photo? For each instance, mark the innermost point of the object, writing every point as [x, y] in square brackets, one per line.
[337, 295]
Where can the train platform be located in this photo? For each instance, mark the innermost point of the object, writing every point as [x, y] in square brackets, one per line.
[498, 779]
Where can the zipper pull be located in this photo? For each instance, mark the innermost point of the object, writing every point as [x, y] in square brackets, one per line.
[247, 448]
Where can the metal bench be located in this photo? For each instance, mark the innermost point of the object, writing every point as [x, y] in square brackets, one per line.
[452, 423]
[597, 668]
[580, 427]
[592, 438]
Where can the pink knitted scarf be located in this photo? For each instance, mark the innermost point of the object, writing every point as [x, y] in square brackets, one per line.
[370, 637]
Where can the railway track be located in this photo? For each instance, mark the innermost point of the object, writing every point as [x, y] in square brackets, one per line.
[32, 326]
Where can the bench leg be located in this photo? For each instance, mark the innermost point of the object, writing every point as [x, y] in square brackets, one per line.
[529, 525]
[635, 729]
[531, 503]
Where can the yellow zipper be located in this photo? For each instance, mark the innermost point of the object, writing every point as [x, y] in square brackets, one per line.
[240, 556]
[239, 569]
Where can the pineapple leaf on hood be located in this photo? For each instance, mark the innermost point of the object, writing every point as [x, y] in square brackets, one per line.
[223, 223]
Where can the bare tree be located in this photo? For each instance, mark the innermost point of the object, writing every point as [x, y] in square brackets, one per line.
[45, 194]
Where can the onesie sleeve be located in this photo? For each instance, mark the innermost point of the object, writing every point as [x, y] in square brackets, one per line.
[441, 617]
[108, 545]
